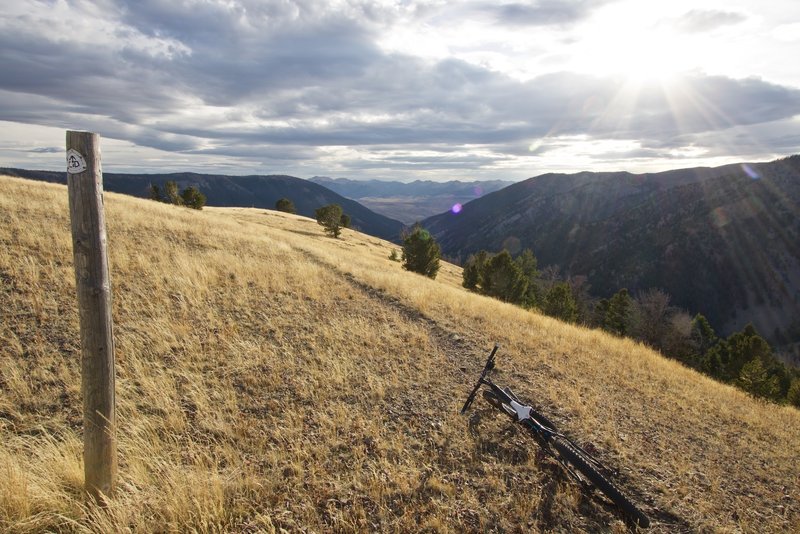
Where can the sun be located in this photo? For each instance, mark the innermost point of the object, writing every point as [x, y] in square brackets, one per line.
[640, 57]
[631, 43]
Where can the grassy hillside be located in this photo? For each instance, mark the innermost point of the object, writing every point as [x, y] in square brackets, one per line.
[272, 378]
[254, 191]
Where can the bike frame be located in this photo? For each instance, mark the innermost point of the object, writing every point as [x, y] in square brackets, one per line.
[579, 463]
[521, 411]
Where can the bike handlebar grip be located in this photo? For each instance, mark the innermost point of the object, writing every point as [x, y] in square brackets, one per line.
[470, 398]
[488, 367]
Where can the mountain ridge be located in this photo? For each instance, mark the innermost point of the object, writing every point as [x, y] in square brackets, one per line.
[693, 233]
[410, 201]
[259, 191]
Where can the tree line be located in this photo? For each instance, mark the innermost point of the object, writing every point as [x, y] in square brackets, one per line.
[743, 359]
[191, 197]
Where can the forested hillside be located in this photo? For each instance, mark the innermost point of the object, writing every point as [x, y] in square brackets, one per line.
[724, 242]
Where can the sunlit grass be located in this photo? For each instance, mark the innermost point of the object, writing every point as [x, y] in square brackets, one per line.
[271, 377]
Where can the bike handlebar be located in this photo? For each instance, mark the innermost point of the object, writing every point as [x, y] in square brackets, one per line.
[486, 368]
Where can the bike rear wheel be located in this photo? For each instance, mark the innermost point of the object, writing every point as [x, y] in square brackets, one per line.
[584, 466]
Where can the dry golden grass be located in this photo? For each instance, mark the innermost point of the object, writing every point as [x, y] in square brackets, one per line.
[271, 378]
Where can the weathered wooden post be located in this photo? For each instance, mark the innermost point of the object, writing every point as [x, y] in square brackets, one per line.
[85, 185]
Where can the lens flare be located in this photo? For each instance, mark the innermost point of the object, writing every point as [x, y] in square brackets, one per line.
[456, 208]
[750, 171]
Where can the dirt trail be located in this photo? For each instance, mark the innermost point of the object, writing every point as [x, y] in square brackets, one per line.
[464, 353]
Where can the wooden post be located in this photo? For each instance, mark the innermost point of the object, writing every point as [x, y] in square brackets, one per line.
[85, 186]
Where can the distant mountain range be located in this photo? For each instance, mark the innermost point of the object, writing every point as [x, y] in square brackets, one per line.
[413, 201]
[722, 241]
[245, 191]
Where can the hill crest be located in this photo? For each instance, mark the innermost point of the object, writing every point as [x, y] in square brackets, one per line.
[258, 191]
[258, 358]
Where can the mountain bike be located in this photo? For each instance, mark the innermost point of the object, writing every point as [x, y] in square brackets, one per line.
[581, 465]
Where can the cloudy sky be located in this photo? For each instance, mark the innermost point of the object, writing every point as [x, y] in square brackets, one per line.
[401, 90]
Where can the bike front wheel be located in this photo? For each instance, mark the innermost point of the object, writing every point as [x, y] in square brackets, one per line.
[584, 466]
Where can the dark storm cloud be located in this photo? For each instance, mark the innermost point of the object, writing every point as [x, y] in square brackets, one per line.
[703, 20]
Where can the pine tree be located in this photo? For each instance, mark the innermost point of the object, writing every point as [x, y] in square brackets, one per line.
[285, 205]
[743, 347]
[529, 266]
[560, 303]
[193, 198]
[472, 275]
[703, 335]
[155, 193]
[793, 396]
[503, 279]
[754, 379]
[330, 218]
[172, 194]
[421, 252]
[619, 311]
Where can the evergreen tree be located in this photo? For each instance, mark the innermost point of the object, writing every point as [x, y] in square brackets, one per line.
[155, 193]
[345, 220]
[743, 347]
[472, 276]
[714, 362]
[560, 303]
[193, 198]
[600, 312]
[529, 266]
[285, 205]
[503, 279]
[619, 312]
[754, 379]
[793, 396]
[703, 335]
[171, 193]
[421, 252]
[330, 218]
[726, 358]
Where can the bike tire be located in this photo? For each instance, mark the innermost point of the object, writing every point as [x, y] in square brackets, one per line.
[571, 455]
[492, 399]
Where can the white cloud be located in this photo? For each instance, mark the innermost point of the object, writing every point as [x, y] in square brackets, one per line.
[360, 88]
